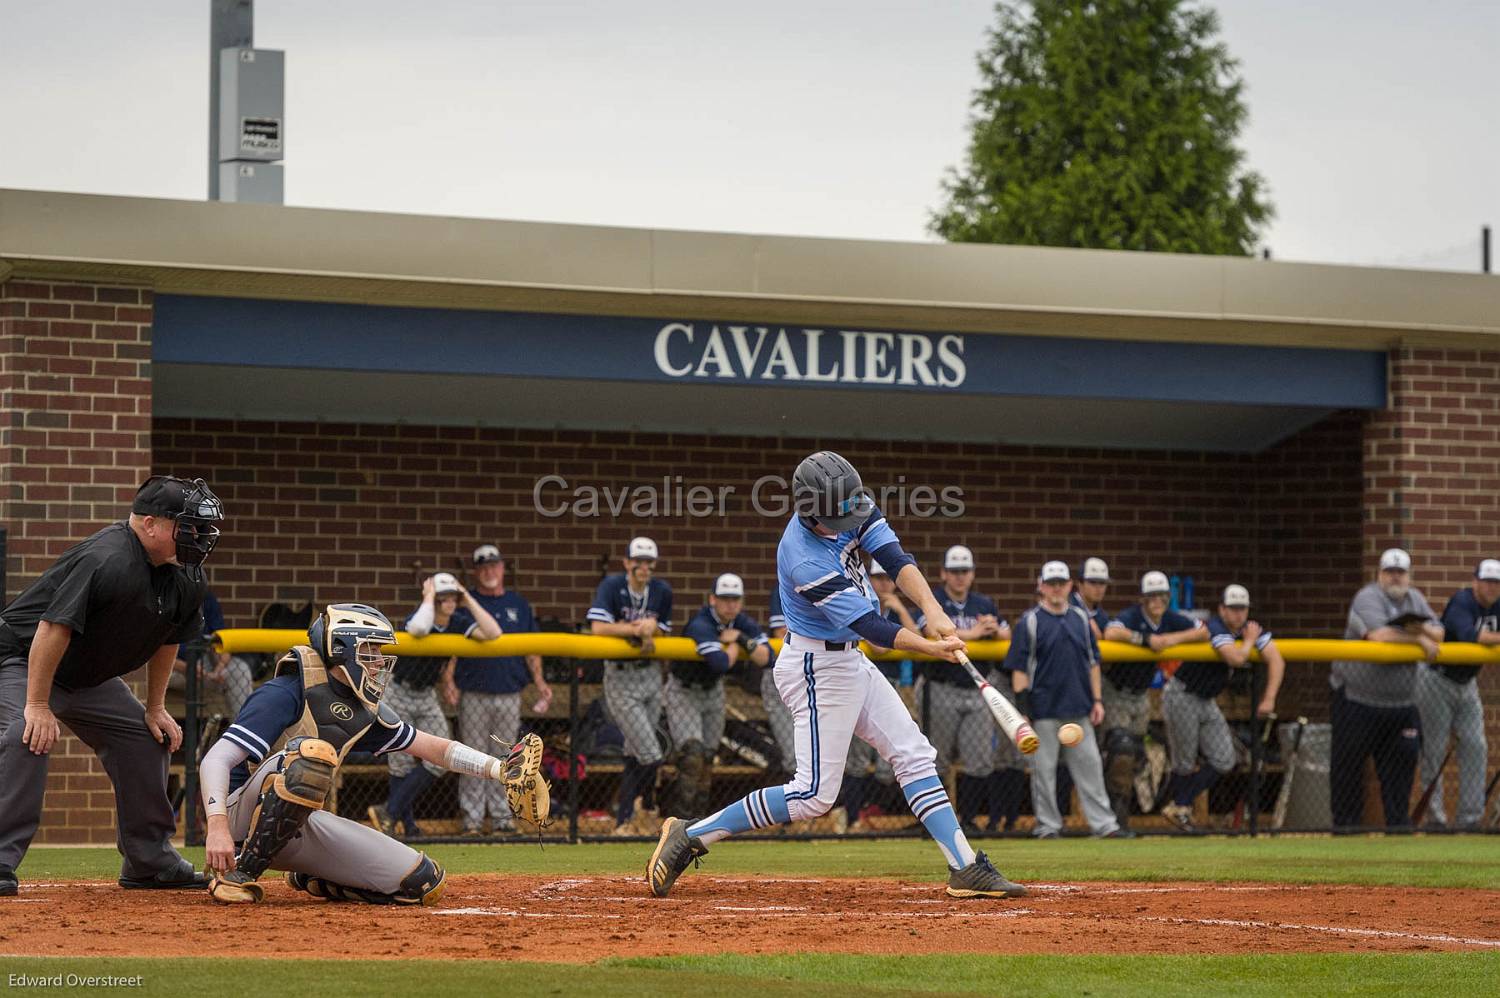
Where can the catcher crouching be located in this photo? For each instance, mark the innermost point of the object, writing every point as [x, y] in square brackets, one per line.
[325, 698]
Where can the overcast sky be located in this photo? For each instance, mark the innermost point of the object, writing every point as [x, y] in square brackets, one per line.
[1375, 122]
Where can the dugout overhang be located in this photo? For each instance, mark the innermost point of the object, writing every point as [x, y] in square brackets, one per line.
[272, 312]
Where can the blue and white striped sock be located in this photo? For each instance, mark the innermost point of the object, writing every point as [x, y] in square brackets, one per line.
[929, 802]
[761, 809]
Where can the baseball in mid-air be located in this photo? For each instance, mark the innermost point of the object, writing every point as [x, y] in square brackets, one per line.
[1070, 734]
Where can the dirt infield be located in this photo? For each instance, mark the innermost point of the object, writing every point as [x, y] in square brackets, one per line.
[584, 918]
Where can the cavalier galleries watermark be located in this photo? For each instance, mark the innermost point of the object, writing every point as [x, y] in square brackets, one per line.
[554, 496]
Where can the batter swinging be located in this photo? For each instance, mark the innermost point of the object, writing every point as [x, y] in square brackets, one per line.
[832, 690]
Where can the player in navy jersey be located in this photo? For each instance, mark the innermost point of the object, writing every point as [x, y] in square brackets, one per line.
[1448, 699]
[959, 723]
[833, 690]
[1093, 582]
[694, 692]
[326, 700]
[1195, 724]
[1127, 710]
[635, 605]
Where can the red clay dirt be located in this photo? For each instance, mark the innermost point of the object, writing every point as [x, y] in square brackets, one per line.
[584, 918]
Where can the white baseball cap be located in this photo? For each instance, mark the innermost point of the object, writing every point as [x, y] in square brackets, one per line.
[1154, 582]
[484, 554]
[1236, 596]
[1055, 571]
[442, 582]
[729, 584]
[1095, 570]
[876, 568]
[958, 558]
[1488, 570]
[641, 547]
[1395, 558]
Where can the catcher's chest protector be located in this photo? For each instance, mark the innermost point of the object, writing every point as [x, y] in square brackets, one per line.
[337, 718]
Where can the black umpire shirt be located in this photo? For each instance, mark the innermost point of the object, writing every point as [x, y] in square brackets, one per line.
[119, 606]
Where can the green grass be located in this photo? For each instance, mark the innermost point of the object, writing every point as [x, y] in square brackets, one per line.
[803, 974]
[1437, 861]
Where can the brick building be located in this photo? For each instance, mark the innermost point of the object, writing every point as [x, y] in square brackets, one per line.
[374, 394]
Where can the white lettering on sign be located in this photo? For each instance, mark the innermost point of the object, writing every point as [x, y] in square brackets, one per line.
[260, 135]
[688, 350]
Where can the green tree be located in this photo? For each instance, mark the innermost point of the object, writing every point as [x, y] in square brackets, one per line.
[1108, 124]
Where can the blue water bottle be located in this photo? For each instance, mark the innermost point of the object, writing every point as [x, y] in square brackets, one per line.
[1176, 600]
[1187, 592]
[906, 679]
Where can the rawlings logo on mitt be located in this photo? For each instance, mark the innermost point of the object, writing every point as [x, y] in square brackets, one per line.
[526, 791]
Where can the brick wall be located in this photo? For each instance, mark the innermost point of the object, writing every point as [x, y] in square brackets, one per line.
[75, 441]
[334, 511]
[1432, 482]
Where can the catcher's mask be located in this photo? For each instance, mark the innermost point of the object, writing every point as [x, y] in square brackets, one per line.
[349, 637]
[191, 506]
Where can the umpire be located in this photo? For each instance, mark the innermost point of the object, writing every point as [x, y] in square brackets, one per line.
[127, 596]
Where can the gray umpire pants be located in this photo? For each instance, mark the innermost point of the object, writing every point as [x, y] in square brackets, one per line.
[632, 692]
[1087, 770]
[1195, 725]
[780, 720]
[479, 716]
[327, 846]
[1446, 706]
[694, 713]
[422, 709]
[111, 721]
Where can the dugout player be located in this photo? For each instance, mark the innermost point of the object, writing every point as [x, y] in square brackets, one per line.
[127, 596]
[694, 692]
[635, 605]
[413, 694]
[1093, 582]
[326, 700]
[959, 723]
[1190, 708]
[1055, 656]
[490, 689]
[1448, 699]
[833, 691]
[1127, 709]
[1373, 707]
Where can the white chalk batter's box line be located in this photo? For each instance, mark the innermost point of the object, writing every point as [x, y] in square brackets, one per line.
[1235, 923]
[727, 912]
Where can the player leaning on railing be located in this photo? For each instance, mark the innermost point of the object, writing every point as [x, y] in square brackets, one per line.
[325, 698]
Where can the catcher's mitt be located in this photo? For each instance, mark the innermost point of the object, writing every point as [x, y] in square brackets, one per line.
[526, 791]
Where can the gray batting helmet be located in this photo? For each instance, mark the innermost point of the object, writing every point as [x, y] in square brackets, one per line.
[827, 490]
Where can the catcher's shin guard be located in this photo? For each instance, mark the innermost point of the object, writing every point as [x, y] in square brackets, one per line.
[286, 799]
[423, 885]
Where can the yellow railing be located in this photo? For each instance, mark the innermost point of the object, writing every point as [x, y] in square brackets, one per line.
[585, 646]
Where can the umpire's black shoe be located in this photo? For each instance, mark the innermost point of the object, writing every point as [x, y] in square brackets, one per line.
[180, 877]
[8, 883]
[980, 879]
[674, 851]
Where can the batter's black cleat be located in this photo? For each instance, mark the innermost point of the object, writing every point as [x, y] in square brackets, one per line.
[980, 879]
[8, 883]
[180, 877]
[674, 851]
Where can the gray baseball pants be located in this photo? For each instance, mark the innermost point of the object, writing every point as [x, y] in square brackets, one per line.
[1446, 706]
[420, 708]
[1083, 764]
[694, 713]
[111, 721]
[333, 848]
[633, 695]
[479, 716]
[1195, 725]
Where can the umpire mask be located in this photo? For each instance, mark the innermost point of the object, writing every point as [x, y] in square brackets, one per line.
[193, 509]
[349, 637]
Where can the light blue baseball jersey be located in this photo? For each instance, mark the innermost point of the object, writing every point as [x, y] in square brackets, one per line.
[822, 580]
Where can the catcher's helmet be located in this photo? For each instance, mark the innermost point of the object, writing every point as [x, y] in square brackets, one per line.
[192, 507]
[827, 490]
[349, 636]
